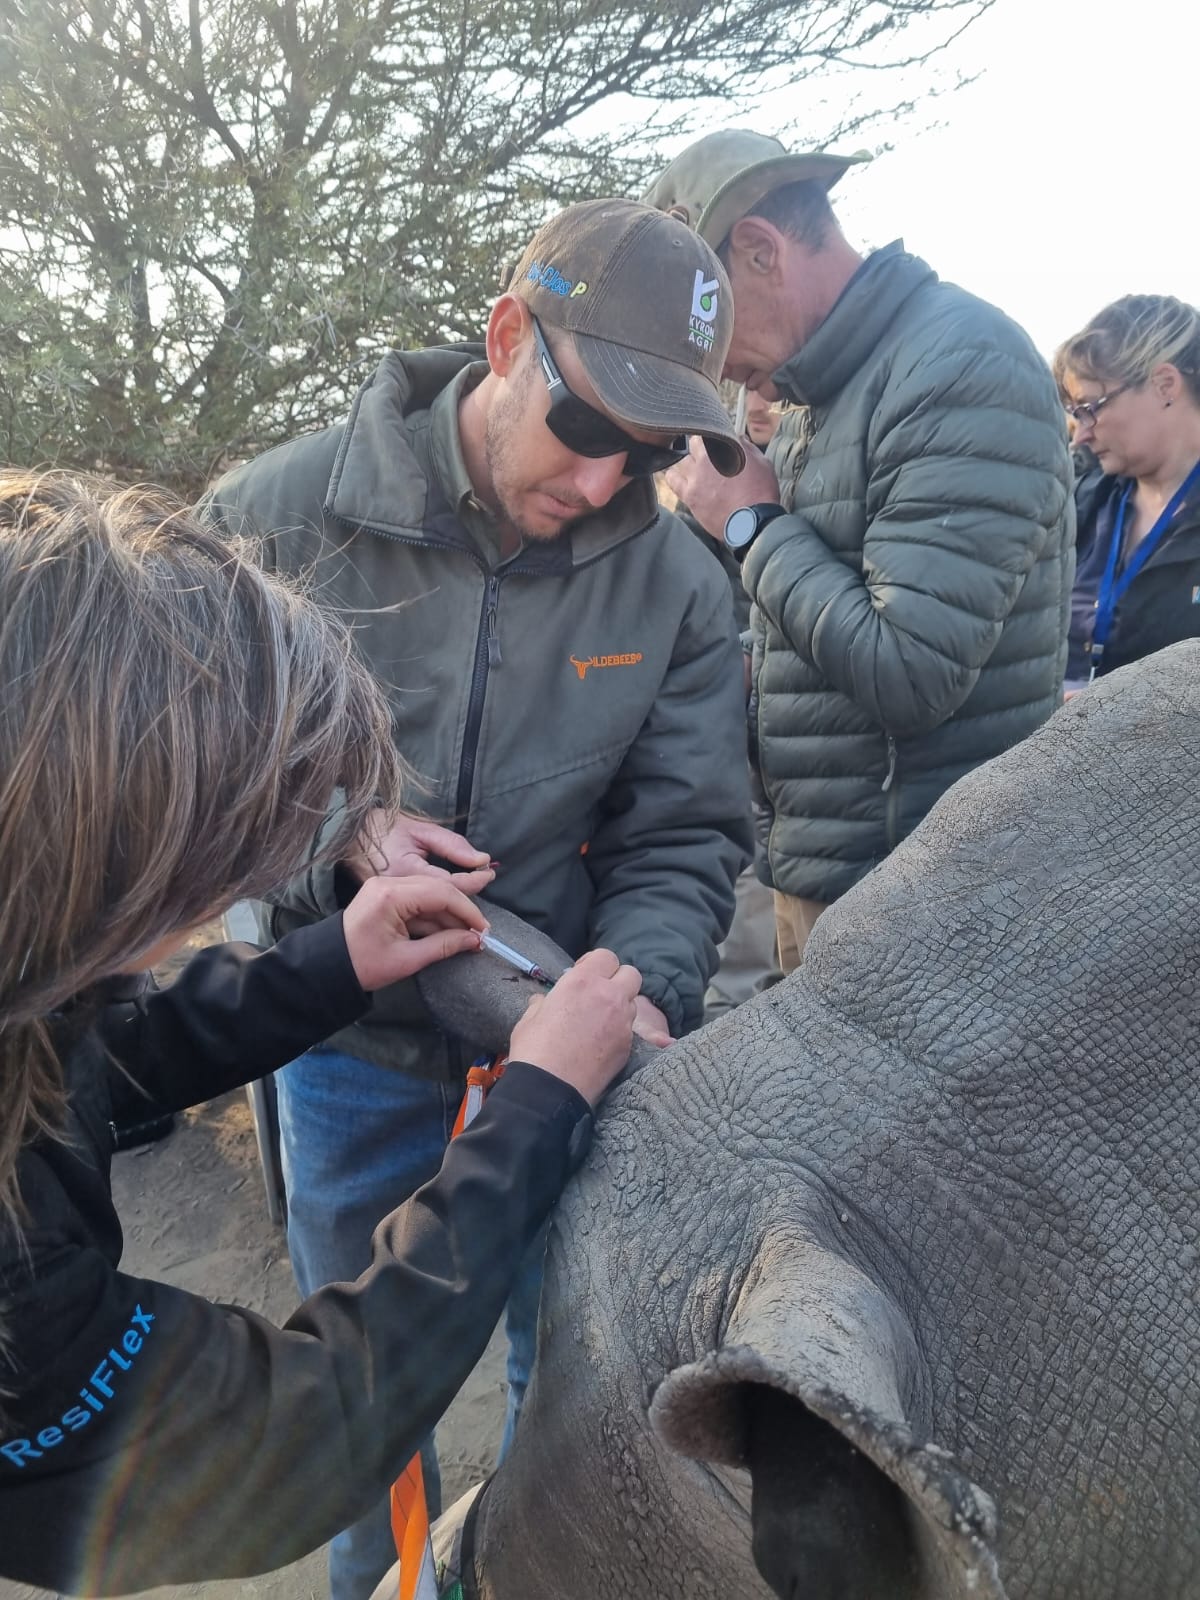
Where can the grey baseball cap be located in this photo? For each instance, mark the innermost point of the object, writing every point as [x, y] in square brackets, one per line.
[723, 176]
[650, 311]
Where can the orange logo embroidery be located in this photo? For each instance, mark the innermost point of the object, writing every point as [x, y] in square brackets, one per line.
[581, 667]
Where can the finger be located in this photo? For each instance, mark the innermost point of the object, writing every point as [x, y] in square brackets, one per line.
[449, 845]
[412, 865]
[421, 923]
[536, 1002]
[629, 981]
[435, 898]
[439, 946]
[652, 1033]
[472, 882]
[599, 963]
[660, 1041]
[422, 927]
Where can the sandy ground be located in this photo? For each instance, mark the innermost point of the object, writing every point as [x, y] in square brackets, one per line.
[194, 1214]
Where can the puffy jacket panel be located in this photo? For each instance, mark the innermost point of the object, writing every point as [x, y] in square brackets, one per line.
[910, 612]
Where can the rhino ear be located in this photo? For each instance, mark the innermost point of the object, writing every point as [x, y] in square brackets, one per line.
[478, 997]
[809, 1392]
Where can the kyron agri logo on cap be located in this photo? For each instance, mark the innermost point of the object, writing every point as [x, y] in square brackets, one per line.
[702, 326]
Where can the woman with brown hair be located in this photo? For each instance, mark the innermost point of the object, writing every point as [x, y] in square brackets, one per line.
[173, 724]
[1131, 383]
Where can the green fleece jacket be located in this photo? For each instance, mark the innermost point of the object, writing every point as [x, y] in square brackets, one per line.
[574, 709]
[910, 612]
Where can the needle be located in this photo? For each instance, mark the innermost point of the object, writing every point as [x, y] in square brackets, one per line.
[514, 958]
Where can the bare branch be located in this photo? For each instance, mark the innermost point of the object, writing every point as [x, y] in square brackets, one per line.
[214, 218]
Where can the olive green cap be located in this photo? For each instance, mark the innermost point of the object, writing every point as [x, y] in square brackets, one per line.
[722, 177]
[650, 311]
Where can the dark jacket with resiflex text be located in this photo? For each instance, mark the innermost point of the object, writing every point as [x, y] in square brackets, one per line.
[910, 611]
[575, 709]
[148, 1436]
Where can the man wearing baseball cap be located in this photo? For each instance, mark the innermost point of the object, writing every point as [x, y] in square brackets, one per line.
[564, 674]
[910, 568]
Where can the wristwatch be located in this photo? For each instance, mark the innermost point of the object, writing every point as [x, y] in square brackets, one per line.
[745, 524]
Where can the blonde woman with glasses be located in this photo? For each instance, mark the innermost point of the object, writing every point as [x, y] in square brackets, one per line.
[173, 725]
[1131, 384]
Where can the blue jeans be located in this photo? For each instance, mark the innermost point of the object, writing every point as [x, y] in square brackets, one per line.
[355, 1141]
[520, 1326]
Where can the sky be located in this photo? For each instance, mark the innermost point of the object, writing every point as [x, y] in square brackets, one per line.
[1063, 177]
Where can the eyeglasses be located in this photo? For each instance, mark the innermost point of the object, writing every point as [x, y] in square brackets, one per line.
[1088, 410]
[588, 432]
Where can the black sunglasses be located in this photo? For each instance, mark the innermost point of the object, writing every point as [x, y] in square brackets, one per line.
[588, 432]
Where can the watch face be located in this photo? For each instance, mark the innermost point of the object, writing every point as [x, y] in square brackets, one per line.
[740, 527]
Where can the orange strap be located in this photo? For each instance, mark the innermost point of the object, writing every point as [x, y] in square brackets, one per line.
[410, 1529]
[482, 1075]
[410, 1510]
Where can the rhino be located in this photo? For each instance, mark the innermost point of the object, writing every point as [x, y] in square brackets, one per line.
[884, 1286]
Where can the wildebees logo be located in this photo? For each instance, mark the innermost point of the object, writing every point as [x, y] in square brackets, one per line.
[581, 667]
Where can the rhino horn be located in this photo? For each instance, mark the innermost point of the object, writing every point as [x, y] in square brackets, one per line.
[479, 998]
[813, 1389]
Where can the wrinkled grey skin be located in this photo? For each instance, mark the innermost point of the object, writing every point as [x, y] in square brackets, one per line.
[942, 1186]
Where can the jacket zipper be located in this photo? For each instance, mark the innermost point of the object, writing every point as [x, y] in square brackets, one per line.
[493, 637]
[487, 655]
[890, 788]
[891, 770]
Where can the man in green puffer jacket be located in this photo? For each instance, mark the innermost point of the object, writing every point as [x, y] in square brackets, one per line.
[911, 574]
[565, 678]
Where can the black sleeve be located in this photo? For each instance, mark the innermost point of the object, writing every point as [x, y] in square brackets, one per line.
[160, 1439]
[232, 1015]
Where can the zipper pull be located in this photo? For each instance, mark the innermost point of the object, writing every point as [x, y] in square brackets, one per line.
[891, 771]
[493, 637]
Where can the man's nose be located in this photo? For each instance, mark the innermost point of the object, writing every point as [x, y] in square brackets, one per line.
[597, 479]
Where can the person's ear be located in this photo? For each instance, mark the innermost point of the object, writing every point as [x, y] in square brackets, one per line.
[1166, 381]
[509, 328]
[758, 246]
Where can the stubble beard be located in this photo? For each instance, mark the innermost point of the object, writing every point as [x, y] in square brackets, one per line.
[504, 418]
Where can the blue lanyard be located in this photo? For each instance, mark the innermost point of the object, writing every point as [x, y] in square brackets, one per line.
[1112, 587]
